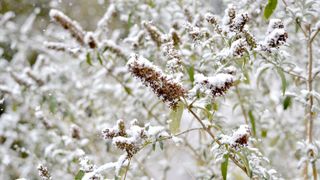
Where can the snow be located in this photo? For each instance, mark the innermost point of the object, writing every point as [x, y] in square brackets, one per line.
[217, 81]
[274, 24]
[54, 103]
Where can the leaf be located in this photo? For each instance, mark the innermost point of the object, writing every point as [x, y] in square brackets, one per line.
[79, 175]
[270, 7]
[283, 80]
[99, 58]
[130, 20]
[215, 106]
[161, 145]
[175, 117]
[246, 75]
[252, 121]
[260, 72]
[287, 102]
[191, 73]
[128, 90]
[53, 104]
[224, 166]
[88, 59]
[264, 133]
[154, 146]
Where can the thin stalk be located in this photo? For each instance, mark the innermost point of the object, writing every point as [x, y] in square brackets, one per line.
[125, 174]
[241, 105]
[309, 112]
[207, 129]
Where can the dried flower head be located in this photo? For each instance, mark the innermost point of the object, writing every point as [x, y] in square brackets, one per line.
[239, 22]
[276, 38]
[238, 48]
[216, 85]
[239, 137]
[162, 85]
[114, 48]
[154, 33]
[72, 26]
[132, 139]
[90, 40]
[75, 131]
[43, 172]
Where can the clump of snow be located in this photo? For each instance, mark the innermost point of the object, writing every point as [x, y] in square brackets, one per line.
[216, 85]
[239, 137]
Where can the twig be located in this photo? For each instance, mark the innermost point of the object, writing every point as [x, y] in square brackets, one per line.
[281, 68]
[216, 140]
[309, 112]
[125, 174]
[241, 105]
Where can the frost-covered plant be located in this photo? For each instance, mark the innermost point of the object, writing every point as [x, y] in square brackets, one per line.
[224, 94]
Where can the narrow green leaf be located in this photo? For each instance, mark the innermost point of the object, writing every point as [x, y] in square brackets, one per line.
[264, 133]
[88, 59]
[270, 7]
[287, 102]
[79, 175]
[99, 58]
[224, 166]
[175, 117]
[161, 145]
[246, 75]
[53, 104]
[260, 75]
[154, 146]
[252, 121]
[191, 73]
[283, 80]
[130, 20]
[215, 106]
[128, 90]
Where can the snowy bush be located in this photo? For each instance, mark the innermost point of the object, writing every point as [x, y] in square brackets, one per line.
[159, 89]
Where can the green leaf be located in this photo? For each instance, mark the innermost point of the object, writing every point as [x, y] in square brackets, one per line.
[224, 166]
[79, 175]
[191, 73]
[130, 20]
[154, 146]
[252, 121]
[128, 90]
[264, 133]
[260, 74]
[99, 58]
[287, 102]
[283, 80]
[270, 7]
[53, 104]
[215, 106]
[88, 59]
[246, 75]
[175, 117]
[161, 145]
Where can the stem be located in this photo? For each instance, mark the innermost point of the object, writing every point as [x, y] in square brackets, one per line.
[125, 174]
[241, 105]
[282, 69]
[309, 112]
[207, 129]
